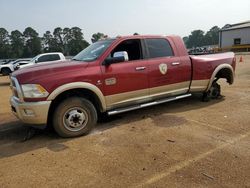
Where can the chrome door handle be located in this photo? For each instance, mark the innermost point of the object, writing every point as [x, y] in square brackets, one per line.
[175, 63]
[140, 68]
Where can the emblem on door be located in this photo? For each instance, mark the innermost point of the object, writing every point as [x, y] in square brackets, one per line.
[110, 81]
[163, 68]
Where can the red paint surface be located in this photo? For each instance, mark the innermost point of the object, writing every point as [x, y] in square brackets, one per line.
[53, 75]
[204, 66]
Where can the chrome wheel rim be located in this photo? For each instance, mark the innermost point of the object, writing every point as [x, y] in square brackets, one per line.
[75, 119]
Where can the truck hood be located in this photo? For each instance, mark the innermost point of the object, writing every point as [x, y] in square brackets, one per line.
[35, 73]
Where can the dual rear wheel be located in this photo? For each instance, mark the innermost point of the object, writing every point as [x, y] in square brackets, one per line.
[213, 93]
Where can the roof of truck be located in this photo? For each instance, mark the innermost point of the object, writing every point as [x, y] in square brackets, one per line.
[137, 36]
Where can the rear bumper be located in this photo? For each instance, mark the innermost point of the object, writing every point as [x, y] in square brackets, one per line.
[30, 112]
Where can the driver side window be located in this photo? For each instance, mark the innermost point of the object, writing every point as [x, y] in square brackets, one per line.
[132, 47]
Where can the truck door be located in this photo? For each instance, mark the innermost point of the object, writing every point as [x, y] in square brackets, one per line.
[126, 82]
[168, 76]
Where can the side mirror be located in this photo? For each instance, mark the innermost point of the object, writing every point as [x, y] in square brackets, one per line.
[16, 66]
[118, 57]
[36, 60]
[123, 54]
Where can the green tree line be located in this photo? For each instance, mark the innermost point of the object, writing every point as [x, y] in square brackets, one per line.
[18, 44]
[199, 38]
[70, 41]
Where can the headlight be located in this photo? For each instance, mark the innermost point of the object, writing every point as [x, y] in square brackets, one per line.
[34, 91]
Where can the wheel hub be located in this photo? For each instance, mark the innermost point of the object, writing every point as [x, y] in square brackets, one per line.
[75, 119]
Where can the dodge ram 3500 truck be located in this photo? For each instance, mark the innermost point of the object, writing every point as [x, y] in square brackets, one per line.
[114, 76]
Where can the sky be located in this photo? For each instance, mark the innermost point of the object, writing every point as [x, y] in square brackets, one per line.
[122, 17]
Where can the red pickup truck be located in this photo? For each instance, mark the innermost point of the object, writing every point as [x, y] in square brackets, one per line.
[114, 76]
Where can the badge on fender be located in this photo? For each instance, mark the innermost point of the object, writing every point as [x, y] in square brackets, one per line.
[110, 81]
[163, 68]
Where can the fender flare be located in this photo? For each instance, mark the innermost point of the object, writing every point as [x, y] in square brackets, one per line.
[79, 85]
[220, 67]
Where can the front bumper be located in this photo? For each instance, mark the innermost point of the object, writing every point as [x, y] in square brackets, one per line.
[30, 112]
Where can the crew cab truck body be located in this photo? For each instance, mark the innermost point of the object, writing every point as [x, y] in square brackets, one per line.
[113, 76]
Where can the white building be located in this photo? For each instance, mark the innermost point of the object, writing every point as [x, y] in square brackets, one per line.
[235, 34]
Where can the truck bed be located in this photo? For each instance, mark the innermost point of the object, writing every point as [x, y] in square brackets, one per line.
[203, 66]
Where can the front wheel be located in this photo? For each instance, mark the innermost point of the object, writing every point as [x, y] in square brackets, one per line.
[6, 71]
[74, 116]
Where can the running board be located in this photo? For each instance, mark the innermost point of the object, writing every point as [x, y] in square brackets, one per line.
[126, 109]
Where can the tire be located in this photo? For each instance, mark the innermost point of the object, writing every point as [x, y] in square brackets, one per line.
[6, 71]
[213, 93]
[74, 117]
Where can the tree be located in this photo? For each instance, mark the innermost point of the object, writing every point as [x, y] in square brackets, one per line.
[196, 39]
[32, 42]
[212, 36]
[17, 44]
[49, 43]
[69, 41]
[4, 43]
[67, 36]
[136, 34]
[58, 37]
[77, 42]
[46, 41]
[97, 36]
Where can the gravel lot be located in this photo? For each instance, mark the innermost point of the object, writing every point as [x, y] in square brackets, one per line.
[186, 143]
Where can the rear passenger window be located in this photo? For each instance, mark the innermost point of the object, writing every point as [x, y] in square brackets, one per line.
[159, 48]
[54, 57]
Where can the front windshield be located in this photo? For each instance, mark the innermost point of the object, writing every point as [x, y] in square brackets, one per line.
[93, 51]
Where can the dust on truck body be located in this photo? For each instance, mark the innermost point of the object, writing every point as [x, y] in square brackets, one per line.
[114, 76]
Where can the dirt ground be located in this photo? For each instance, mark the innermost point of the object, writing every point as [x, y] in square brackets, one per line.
[185, 143]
